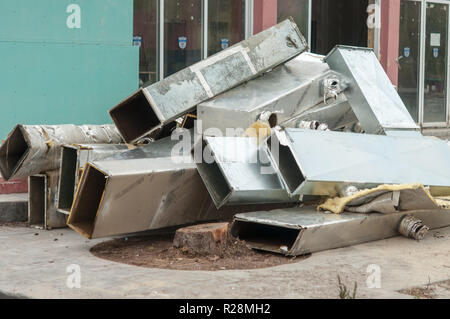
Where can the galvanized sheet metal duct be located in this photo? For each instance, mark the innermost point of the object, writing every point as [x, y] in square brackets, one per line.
[289, 90]
[239, 172]
[73, 159]
[371, 94]
[126, 196]
[325, 162]
[32, 149]
[299, 231]
[162, 102]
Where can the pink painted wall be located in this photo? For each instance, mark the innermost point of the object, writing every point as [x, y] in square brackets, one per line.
[389, 38]
[264, 14]
[13, 187]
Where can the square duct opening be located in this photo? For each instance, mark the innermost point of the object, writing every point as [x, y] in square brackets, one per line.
[134, 117]
[87, 201]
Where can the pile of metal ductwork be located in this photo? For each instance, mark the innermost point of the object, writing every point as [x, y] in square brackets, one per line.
[261, 134]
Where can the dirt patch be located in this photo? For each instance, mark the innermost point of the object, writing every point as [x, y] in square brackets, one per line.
[158, 252]
[429, 291]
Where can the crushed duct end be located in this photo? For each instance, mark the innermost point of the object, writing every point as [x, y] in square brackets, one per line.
[412, 227]
[13, 152]
[34, 149]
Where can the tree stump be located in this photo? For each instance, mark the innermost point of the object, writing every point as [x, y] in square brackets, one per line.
[204, 239]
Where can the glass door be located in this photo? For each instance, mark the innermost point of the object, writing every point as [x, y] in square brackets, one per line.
[423, 60]
[409, 56]
[435, 80]
[182, 34]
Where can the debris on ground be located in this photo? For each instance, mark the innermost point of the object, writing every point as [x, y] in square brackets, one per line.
[303, 152]
[158, 252]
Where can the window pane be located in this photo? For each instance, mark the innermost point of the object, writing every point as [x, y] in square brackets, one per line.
[145, 30]
[409, 56]
[182, 34]
[435, 63]
[226, 24]
[298, 9]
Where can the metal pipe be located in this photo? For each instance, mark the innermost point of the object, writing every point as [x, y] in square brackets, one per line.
[33, 149]
[156, 105]
[299, 231]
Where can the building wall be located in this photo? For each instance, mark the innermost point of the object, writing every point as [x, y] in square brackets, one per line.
[56, 71]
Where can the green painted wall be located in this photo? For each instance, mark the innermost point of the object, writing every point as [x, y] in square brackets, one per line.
[53, 74]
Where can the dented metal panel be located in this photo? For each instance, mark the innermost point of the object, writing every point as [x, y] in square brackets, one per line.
[239, 171]
[73, 159]
[371, 94]
[126, 196]
[299, 231]
[32, 149]
[42, 201]
[164, 101]
[324, 162]
[288, 90]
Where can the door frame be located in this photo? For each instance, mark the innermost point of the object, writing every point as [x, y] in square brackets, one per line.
[423, 28]
[248, 31]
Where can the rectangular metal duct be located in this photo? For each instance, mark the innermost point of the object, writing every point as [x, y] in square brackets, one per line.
[323, 162]
[33, 149]
[371, 94]
[299, 231]
[73, 159]
[286, 91]
[126, 196]
[160, 103]
[239, 172]
[42, 199]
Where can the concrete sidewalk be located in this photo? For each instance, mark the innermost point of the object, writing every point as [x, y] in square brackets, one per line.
[33, 263]
[13, 208]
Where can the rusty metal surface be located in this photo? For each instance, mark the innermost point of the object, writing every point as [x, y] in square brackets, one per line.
[32, 149]
[299, 231]
[163, 102]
